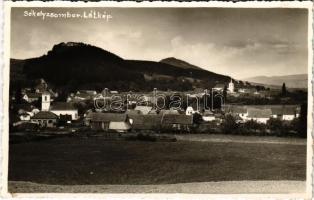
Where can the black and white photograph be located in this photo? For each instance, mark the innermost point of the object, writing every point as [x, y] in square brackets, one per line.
[159, 99]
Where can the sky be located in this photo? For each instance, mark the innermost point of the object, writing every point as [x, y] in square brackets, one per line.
[240, 42]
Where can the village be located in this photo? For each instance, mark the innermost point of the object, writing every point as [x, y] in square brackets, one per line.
[198, 111]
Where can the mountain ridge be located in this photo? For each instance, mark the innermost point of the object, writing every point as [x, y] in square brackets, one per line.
[292, 80]
[79, 65]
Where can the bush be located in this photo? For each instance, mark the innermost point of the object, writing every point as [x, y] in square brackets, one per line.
[275, 126]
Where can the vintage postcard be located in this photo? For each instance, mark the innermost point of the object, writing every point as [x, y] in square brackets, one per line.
[157, 99]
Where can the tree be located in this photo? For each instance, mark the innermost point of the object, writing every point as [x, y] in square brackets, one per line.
[224, 93]
[229, 125]
[18, 94]
[302, 127]
[275, 126]
[283, 90]
[197, 118]
[252, 125]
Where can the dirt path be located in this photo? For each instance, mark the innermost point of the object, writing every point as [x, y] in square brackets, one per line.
[240, 139]
[227, 187]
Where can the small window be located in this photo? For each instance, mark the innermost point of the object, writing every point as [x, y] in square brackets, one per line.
[45, 98]
[50, 121]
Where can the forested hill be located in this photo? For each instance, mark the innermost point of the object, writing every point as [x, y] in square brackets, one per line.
[78, 65]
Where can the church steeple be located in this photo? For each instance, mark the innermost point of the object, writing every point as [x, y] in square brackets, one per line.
[45, 101]
[231, 86]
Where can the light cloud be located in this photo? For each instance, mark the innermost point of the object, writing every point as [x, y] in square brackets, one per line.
[236, 42]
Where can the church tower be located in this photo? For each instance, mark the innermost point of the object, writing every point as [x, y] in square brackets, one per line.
[231, 86]
[45, 101]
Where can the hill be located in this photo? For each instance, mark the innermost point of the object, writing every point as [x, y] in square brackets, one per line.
[291, 81]
[77, 65]
[179, 63]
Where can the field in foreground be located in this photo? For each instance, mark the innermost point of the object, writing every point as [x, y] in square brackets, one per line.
[94, 161]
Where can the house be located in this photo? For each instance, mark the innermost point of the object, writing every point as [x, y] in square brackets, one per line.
[259, 115]
[65, 119]
[177, 122]
[208, 116]
[236, 110]
[45, 119]
[31, 97]
[189, 110]
[25, 117]
[114, 92]
[109, 121]
[143, 109]
[64, 108]
[90, 92]
[169, 112]
[285, 112]
[146, 122]
[80, 97]
[133, 114]
[58, 108]
[199, 91]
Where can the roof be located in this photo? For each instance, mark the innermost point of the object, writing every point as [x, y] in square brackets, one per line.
[82, 95]
[177, 119]
[275, 109]
[146, 121]
[169, 112]
[259, 113]
[33, 95]
[153, 112]
[133, 112]
[235, 109]
[62, 106]
[45, 115]
[144, 109]
[91, 92]
[284, 110]
[208, 113]
[107, 117]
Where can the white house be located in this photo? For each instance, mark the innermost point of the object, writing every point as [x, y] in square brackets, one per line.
[58, 108]
[143, 109]
[25, 117]
[31, 97]
[64, 108]
[285, 112]
[208, 116]
[259, 115]
[189, 110]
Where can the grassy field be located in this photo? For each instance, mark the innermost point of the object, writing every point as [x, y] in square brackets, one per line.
[78, 161]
